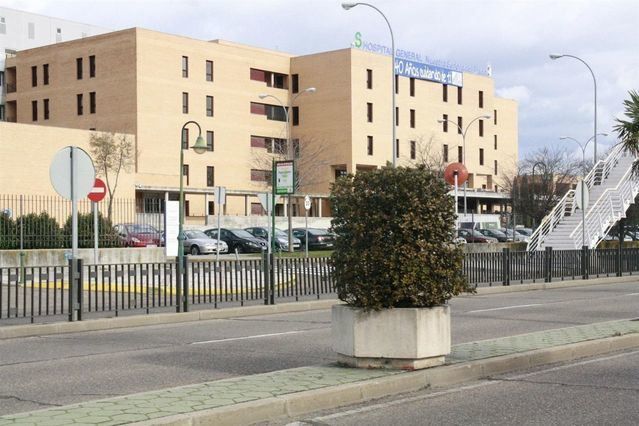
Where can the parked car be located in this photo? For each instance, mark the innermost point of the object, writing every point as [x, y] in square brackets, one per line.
[474, 236]
[495, 233]
[318, 239]
[524, 231]
[517, 237]
[238, 239]
[281, 237]
[197, 242]
[135, 235]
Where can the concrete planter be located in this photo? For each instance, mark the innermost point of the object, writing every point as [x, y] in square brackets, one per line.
[406, 338]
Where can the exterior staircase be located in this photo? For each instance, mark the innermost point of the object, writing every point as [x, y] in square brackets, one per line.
[612, 189]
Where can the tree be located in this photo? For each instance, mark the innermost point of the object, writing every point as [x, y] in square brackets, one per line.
[628, 130]
[429, 153]
[555, 174]
[111, 155]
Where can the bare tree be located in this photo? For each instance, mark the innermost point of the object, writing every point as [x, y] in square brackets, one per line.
[555, 172]
[429, 153]
[112, 154]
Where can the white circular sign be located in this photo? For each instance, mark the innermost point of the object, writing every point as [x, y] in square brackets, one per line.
[60, 172]
[307, 202]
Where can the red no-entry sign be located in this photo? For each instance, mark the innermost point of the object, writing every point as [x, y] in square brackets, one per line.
[98, 192]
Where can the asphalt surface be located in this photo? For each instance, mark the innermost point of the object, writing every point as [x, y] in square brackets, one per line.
[40, 372]
[602, 390]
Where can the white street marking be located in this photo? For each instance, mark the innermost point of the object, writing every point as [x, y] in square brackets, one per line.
[504, 308]
[257, 336]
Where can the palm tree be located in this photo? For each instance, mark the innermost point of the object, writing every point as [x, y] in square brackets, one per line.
[628, 130]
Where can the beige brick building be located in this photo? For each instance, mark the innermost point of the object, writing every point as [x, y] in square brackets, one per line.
[149, 84]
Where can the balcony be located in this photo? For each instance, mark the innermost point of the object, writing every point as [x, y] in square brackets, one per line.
[11, 87]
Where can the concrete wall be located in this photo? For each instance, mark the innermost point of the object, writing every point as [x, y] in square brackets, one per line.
[11, 258]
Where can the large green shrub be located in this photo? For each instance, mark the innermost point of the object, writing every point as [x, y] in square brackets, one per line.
[8, 236]
[40, 231]
[395, 250]
[107, 237]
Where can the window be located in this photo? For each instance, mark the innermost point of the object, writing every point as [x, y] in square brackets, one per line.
[412, 86]
[460, 154]
[46, 109]
[272, 112]
[260, 175]
[296, 116]
[210, 140]
[91, 66]
[185, 103]
[1, 78]
[209, 70]
[275, 145]
[481, 128]
[2, 118]
[34, 110]
[45, 74]
[369, 146]
[396, 84]
[369, 112]
[295, 83]
[445, 92]
[187, 207]
[58, 35]
[397, 116]
[445, 154]
[397, 148]
[495, 117]
[3, 25]
[78, 66]
[258, 141]
[460, 123]
[413, 150]
[495, 141]
[210, 176]
[92, 102]
[496, 168]
[459, 95]
[34, 76]
[31, 30]
[209, 106]
[185, 138]
[185, 66]
[445, 123]
[211, 207]
[185, 172]
[481, 156]
[369, 79]
[79, 103]
[481, 99]
[272, 79]
[412, 118]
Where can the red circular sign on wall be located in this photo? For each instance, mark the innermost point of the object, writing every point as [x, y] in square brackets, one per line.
[98, 192]
[456, 169]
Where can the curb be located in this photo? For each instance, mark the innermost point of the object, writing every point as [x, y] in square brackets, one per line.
[141, 320]
[301, 403]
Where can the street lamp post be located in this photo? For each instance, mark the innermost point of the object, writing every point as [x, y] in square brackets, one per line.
[463, 133]
[182, 290]
[533, 191]
[290, 154]
[583, 176]
[594, 80]
[347, 6]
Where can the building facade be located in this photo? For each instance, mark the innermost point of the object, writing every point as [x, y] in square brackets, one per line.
[149, 84]
[22, 30]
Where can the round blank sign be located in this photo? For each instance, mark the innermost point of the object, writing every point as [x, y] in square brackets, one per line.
[60, 172]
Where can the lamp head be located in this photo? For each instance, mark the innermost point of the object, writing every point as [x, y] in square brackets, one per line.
[347, 6]
[486, 117]
[553, 57]
[262, 95]
[200, 145]
[563, 137]
[310, 90]
[603, 134]
[441, 121]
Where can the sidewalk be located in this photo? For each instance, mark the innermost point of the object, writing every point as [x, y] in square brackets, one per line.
[248, 399]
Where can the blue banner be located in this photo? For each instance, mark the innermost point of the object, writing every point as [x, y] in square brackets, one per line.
[413, 69]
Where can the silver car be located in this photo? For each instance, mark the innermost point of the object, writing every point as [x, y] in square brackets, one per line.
[197, 242]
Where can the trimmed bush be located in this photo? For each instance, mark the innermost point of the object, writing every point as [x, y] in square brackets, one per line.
[107, 237]
[395, 250]
[8, 237]
[41, 231]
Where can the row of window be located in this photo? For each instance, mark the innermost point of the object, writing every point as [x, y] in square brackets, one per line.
[45, 109]
[45, 75]
[185, 104]
[31, 30]
[210, 174]
[208, 68]
[80, 106]
[79, 67]
[275, 112]
[460, 157]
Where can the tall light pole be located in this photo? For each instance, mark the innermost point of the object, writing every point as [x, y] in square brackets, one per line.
[347, 6]
[199, 147]
[290, 154]
[533, 191]
[463, 133]
[583, 175]
[594, 80]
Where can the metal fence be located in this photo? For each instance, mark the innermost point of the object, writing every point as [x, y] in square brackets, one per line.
[42, 222]
[35, 294]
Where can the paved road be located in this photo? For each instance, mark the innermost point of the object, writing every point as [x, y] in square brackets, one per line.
[40, 372]
[603, 390]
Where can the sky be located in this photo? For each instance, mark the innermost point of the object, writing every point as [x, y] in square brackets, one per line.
[513, 36]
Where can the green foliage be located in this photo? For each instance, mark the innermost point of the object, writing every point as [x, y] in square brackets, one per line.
[395, 248]
[41, 231]
[8, 236]
[628, 130]
[107, 237]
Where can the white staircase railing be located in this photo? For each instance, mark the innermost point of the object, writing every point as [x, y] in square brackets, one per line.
[566, 206]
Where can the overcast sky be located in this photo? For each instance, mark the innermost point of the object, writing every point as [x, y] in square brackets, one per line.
[513, 36]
